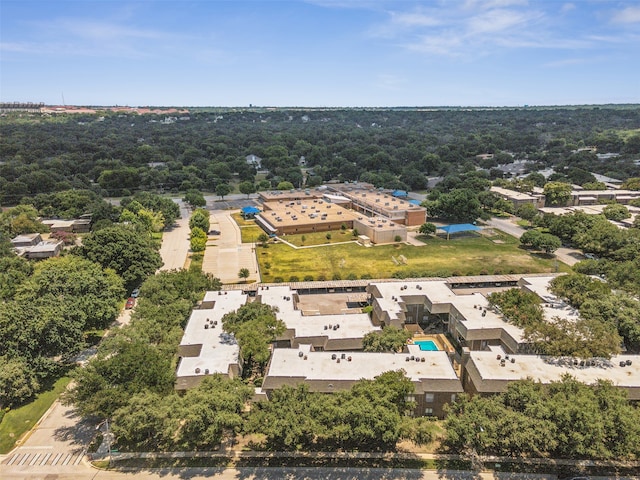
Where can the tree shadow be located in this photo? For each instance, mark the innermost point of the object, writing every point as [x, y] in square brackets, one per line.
[80, 434]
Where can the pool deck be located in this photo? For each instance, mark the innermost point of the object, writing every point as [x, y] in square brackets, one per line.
[439, 339]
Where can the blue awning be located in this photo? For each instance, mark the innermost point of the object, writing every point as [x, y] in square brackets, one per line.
[399, 193]
[459, 227]
[250, 210]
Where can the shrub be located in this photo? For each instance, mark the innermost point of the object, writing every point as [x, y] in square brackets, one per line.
[308, 278]
[278, 279]
[336, 276]
[352, 276]
[328, 236]
[366, 276]
[294, 278]
[397, 238]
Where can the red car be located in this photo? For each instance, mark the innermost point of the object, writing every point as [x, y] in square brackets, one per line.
[130, 303]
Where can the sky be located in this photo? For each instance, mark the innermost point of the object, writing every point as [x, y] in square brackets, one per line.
[320, 53]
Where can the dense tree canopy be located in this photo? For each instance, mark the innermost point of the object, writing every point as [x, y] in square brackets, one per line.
[566, 419]
[130, 255]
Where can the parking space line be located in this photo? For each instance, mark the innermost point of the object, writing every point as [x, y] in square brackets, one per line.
[67, 458]
[24, 459]
[56, 458]
[13, 459]
[44, 460]
[35, 459]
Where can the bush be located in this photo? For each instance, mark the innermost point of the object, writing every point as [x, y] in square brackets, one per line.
[366, 276]
[278, 279]
[328, 236]
[397, 238]
[308, 278]
[322, 278]
[352, 276]
[294, 278]
[336, 276]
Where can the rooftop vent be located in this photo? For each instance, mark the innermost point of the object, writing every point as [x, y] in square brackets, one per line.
[197, 370]
[301, 354]
[206, 371]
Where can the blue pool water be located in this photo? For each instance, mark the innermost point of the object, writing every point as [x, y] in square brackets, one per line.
[427, 345]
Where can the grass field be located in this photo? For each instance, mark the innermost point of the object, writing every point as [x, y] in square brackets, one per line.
[466, 255]
[16, 422]
[320, 238]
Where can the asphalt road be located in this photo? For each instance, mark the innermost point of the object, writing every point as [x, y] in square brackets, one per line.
[292, 473]
[175, 242]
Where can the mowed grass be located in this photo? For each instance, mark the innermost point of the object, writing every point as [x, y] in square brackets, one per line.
[464, 255]
[250, 233]
[16, 422]
[320, 238]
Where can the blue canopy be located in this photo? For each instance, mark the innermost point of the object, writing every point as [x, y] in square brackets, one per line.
[415, 202]
[250, 210]
[399, 193]
[459, 227]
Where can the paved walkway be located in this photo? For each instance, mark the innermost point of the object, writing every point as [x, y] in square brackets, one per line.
[226, 254]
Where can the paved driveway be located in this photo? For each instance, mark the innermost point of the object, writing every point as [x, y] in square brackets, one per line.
[226, 254]
[175, 242]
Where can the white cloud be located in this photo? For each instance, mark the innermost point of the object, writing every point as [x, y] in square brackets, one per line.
[489, 4]
[414, 19]
[567, 7]
[495, 21]
[627, 15]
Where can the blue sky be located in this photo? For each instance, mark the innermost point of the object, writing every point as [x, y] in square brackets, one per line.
[320, 53]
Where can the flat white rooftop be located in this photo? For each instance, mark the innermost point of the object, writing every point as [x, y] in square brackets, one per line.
[288, 362]
[350, 325]
[547, 369]
[219, 350]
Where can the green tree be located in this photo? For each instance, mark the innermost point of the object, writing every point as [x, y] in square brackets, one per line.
[389, 339]
[247, 188]
[194, 198]
[255, 326]
[243, 274]
[285, 186]
[18, 382]
[616, 212]
[223, 189]
[120, 248]
[198, 239]
[527, 211]
[200, 218]
[427, 228]
[557, 194]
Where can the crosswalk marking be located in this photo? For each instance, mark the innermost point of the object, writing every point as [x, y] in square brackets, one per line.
[56, 458]
[25, 458]
[35, 459]
[66, 460]
[46, 457]
[13, 459]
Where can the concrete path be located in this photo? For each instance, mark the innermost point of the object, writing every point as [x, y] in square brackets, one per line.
[226, 254]
[175, 242]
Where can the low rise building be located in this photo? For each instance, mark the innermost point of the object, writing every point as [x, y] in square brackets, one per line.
[205, 349]
[330, 332]
[490, 372]
[432, 373]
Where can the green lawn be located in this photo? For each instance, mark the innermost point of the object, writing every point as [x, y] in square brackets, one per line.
[320, 238]
[251, 233]
[16, 422]
[464, 255]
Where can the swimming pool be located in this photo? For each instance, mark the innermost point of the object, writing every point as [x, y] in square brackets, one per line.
[427, 345]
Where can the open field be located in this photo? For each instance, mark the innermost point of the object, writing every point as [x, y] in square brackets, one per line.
[16, 422]
[465, 255]
[320, 238]
[250, 233]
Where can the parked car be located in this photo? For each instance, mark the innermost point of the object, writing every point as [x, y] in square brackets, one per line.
[135, 293]
[214, 232]
[130, 303]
